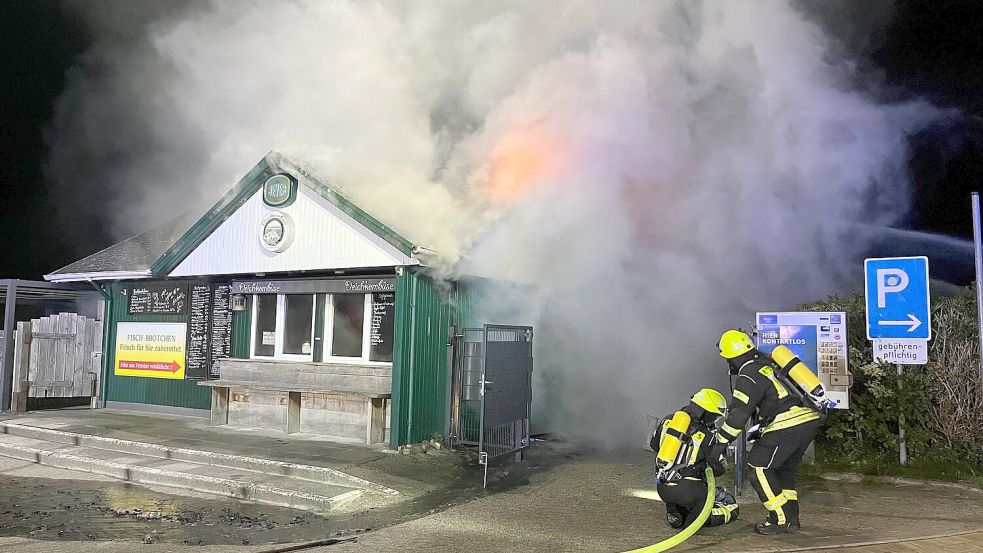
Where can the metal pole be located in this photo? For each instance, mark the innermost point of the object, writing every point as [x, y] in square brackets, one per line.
[902, 440]
[9, 326]
[978, 251]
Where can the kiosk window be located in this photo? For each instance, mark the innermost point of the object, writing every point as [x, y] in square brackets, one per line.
[283, 326]
[348, 328]
[359, 327]
[264, 333]
[298, 324]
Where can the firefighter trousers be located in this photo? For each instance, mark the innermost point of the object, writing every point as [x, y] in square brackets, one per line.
[774, 461]
[684, 499]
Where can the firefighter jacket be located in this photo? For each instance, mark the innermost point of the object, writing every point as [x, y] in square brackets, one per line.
[760, 393]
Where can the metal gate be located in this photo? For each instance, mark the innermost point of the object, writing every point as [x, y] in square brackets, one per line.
[493, 390]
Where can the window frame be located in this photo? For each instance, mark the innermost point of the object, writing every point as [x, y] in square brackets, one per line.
[279, 327]
[328, 344]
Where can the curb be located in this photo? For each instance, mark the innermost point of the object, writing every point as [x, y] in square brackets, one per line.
[901, 481]
[307, 472]
[861, 544]
[206, 484]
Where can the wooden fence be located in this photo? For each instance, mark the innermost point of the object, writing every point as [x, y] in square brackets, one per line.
[56, 356]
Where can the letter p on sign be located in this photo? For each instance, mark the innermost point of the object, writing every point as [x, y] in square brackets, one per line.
[889, 281]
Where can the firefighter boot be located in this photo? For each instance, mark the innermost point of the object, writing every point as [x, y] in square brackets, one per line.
[792, 514]
[776, 524]
[791, 508]
[674, 517]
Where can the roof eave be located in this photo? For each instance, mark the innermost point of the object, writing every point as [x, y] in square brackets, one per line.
[98, 275]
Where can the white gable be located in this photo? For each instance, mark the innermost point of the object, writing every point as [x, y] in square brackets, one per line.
[325, 237]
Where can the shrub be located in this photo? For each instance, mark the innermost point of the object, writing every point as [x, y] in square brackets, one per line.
[941, 403]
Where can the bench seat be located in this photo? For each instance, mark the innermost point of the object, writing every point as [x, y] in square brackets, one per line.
[344, 385]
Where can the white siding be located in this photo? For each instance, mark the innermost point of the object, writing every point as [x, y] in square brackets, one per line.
[325, 238]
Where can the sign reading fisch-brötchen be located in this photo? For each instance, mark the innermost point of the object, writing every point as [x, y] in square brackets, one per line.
[152, 350]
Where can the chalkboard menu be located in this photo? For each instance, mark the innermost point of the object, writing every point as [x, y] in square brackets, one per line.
[221, 328]
[157, 299]
[196, 365]
[381, 333]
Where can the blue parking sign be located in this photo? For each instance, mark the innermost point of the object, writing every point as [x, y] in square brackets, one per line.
[896, 290]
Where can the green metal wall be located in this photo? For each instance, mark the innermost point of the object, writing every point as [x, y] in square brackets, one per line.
[478, 301]
[135, 389]
[419, 359]
[241, 327]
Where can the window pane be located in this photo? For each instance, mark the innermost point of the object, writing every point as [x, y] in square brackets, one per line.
[265, 338]
[299, 317]
[346, 336]
[381, 328]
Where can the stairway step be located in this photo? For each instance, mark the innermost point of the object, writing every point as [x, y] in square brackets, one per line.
[269, 467]
[143, 469]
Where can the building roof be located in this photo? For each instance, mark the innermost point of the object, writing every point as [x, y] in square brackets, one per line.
[157, 252]
[131, 258]
[32, 291]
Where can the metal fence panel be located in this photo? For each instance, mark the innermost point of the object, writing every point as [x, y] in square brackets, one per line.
[466, 406]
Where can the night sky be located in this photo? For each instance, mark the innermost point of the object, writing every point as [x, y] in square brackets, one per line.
[931, 49]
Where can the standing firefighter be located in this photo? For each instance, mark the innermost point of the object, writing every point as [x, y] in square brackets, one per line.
[681, 443]
[788, 404]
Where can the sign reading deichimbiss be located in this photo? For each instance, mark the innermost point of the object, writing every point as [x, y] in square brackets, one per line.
[317, 286]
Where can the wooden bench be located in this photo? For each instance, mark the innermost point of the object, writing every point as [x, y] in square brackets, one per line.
[371, 384]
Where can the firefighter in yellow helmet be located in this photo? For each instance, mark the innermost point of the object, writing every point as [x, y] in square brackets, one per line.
[681, 442]
[788, 424]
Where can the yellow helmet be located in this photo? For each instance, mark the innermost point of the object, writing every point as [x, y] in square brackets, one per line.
[710, 400]
[734, 343]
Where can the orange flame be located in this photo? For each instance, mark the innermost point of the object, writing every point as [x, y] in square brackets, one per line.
[519, 160]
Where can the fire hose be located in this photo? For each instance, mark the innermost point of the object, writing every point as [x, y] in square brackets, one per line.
[687, 532]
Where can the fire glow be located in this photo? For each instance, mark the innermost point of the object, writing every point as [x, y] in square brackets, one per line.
[522, 159]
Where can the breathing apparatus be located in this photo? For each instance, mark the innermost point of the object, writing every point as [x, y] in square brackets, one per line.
[674, 446]
[677, 448]
[807, 385]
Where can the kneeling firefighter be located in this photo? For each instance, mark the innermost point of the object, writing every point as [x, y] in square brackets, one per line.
[789, 405]
[681, 442]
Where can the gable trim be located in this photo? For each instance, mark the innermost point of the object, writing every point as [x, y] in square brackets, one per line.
[271, 164]
[215, 216]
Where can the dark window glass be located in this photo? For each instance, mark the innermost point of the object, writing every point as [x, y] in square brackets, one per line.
[299, 317]
[265, 339]
[381, 327]
[346, 335]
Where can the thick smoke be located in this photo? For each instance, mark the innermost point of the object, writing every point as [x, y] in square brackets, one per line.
[657, 170]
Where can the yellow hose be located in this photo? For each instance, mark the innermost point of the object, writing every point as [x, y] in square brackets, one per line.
[685, 534]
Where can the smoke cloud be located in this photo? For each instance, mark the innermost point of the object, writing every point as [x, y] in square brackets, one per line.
[657, 170]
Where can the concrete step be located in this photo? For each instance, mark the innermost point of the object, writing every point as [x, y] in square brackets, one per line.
[146, 464]
[208, 458]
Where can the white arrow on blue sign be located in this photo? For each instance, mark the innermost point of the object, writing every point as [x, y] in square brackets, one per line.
[896, 289]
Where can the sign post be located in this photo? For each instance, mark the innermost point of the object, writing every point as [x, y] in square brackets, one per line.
[898, 317]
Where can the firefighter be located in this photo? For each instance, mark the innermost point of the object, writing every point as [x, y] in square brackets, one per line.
[681, 442]
[788, 424]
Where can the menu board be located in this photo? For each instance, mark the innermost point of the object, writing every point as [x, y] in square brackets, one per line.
[157, 299]
[221, 327]
[197, 349]
[382, 327]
